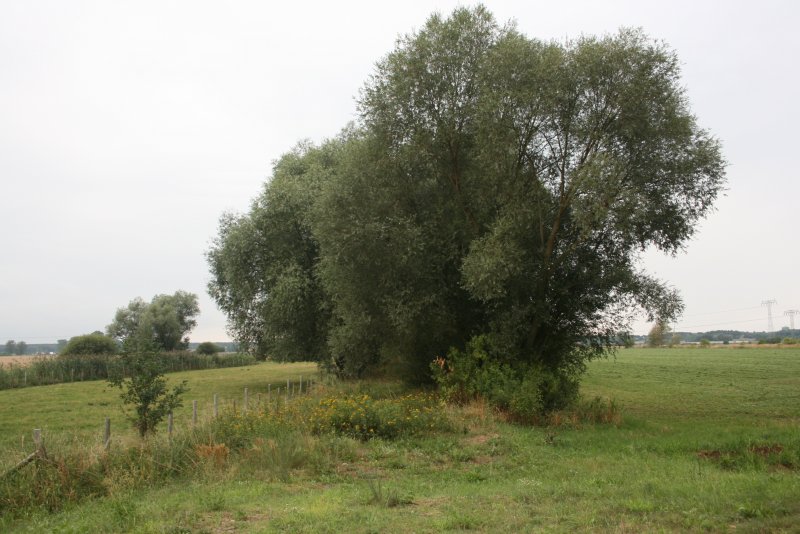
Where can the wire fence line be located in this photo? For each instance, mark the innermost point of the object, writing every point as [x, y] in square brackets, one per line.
[265, 401]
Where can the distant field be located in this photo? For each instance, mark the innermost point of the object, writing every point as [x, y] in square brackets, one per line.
[18, 360]
[710, 441]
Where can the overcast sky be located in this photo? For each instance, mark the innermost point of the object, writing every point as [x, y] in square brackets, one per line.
[128, 128]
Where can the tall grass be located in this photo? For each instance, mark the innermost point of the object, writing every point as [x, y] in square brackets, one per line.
[275, 438]
[43, 371]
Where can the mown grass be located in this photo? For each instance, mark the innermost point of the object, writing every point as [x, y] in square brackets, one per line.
[695, 451]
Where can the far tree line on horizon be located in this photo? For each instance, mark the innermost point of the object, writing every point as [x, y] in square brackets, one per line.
[486, 210]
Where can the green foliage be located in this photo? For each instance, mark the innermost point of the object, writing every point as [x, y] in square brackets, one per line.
[526, 393]
[495, 185]
[165, 320]
[90, 344]
[208, 348]
[364, 417]
[705, 343]
[145, 390]
[262, 264]
[18, 348]
[660, 334]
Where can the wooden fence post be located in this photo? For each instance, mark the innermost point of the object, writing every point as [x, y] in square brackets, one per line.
[216, 407]
[169, 424]
[194, 413]
[244, 406]
[39, 442]
[107, 434]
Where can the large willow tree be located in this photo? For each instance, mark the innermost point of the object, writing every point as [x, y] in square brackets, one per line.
[495, 186]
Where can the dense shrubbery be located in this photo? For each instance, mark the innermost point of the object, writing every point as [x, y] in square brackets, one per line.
[526, 393]
[208, 348]
[364, 417]
[90, 344]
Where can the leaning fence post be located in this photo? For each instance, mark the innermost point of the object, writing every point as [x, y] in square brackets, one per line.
[39, 442]
[216, 407]
[107, 434]
[244, 406]
[194, 412]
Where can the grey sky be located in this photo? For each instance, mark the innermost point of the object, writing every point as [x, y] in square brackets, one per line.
[126, 129]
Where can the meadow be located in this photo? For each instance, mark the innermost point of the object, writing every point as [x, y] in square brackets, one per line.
[708, 440]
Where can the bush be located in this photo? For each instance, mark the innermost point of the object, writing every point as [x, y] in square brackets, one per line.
[527, 392]
[146, 388]
[208, 348]
[90, 344]
[363, 417]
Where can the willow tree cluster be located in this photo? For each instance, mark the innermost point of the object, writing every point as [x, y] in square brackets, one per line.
[494, 186]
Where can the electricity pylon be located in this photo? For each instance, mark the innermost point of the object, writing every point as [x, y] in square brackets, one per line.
[768, 304]
[791, 314]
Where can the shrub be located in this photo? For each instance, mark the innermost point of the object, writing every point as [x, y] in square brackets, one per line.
[364, 417]
[90, 344]
[208, 348]
[527, 392]
[146, 389]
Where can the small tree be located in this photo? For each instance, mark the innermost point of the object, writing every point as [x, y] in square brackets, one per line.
[146, 388]
[90, 344]
[659, 334]
[166, 319]
[208, 348]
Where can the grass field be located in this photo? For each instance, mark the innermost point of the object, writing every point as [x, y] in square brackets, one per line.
[710, 441]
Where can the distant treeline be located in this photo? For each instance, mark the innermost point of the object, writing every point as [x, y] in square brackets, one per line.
[727, 336]
[44, 371]
[54, 348]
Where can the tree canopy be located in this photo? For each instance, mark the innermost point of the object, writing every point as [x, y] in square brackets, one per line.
[96, 343]
[494, 185]
[165, 320]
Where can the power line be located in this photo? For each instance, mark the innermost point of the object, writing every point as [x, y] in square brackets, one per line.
[723, 311]
[722, 323]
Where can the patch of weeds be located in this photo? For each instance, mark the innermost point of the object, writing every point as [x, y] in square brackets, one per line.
[212, 501]
[390, 498]
[462, 454]
[753, 456]
[475, 476]
[755, 512]
[461, 522]
[123, 512]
